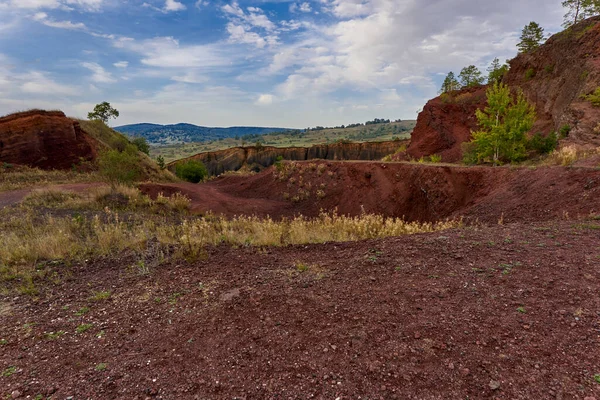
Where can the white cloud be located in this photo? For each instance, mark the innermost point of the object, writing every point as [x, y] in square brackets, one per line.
[121, 64]
[302, 7]
[38, 83]
[265, 100]
[250, 28]
[167, 52]
[42, 17]
[100, 75]
[174, 5]
[190, 77]
[201, 3]
[88, 5]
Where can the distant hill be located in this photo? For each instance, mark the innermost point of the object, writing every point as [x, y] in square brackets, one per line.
[186, 133]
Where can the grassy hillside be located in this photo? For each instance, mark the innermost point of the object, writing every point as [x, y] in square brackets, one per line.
[362, 133]
[109, 138]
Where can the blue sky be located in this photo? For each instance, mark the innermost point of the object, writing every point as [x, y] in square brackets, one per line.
[267, 63]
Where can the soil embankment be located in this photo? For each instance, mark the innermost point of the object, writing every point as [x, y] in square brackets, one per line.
[44, 139]
[259, 157]
[416, 192]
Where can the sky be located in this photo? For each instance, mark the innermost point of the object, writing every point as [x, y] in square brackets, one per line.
[280, 63]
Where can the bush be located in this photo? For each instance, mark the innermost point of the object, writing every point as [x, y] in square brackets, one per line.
[120, 167]
[541, 144]
[142, 144]
[530, 73]
[593, 98]
[564, 131]
[191, 171]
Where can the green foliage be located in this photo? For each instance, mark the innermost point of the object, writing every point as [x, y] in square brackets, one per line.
[597, 378]
[160, 160]
[192, 171]
[103, 112]
[470, 76]
[496, 71]
[83, 328]
[502, 128]
[564, 131]
[578, 10]
[549, 69]
[435, 158]
[450, 83]
[529, 74]
[543, 145]
[593, 98]
[532, 37]
[120, 167]
[142, 144]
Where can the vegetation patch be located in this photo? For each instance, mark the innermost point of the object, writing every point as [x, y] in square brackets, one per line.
[594, 97]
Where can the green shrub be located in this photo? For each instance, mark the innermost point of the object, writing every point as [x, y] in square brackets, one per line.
[564, 131]
[593, 98]
[120, 167]
[541, 144]
[530, 73]
[435, 158]
[142, 144]
[160, 160]
[192, 171]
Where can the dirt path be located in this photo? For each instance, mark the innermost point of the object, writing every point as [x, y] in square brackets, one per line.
[506, 312]
[12, 197]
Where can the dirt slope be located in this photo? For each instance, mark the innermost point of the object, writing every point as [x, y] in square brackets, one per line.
[44, 139]
[501, 313]
[553, 77]
[415, 191]
[257, 158]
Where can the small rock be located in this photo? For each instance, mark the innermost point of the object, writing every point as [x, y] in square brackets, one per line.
[589, 398]
[230, 295]
[494, 385]
[15, 394]
[417, 335]
[465, 371]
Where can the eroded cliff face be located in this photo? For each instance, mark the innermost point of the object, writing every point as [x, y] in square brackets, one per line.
[261, 157]
[554, 78]
[44, 139]
[557, 75]
[445, 123]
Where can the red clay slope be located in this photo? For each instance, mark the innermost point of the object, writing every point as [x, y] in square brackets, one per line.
[414, 191]
[44, 139]
[554, 78]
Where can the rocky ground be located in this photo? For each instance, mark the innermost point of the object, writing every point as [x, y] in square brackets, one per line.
[498, 312]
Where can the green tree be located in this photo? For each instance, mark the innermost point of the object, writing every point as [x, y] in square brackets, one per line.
[578, 10]
[142, 144]
[160, 160]
[496, 71]
[470, 76]
[532, 37]
[450, 83]
[120, 167]
[502, 127]
[192, 171]
[103, 112]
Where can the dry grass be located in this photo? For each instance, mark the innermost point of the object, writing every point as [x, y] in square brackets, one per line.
[21, 177]
[569, 155]
[29, 240]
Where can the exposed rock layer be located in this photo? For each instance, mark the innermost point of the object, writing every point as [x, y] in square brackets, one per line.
[44, 139]
[258, 158]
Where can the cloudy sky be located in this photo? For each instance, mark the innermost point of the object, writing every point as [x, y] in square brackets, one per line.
[251, 62]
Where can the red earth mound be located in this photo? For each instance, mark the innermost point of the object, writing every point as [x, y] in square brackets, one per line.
[44, 139]
[554, 78]
[498, 313]
[413, 191]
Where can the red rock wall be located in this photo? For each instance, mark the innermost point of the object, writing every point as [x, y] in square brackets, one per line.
[44, 139]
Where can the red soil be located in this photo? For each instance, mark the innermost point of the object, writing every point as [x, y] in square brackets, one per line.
[507, 312]
[44, 139]
[414, 191]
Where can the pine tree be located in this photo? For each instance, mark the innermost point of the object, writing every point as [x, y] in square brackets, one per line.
[470, 76]
[578, 10]
[450, 83]
[532, 37]
[496, 71]
[502, 127]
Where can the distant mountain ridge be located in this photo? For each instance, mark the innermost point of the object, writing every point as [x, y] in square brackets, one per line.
[157, 134]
